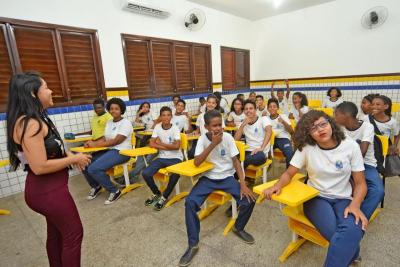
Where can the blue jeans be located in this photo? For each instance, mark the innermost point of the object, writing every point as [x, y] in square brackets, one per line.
[285, 146]
[140, 166]
[375, 192]
[343, 234]
[153, 168]
[256, 159]
[198, 195]
[96, 172]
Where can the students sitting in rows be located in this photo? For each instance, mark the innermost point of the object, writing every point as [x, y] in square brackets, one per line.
[166, 138]
[333, 164]
[333, 98]
[117, 136]
[383, 120]
[236, 116]
[223, 103]
[180, 118]
[260, 106]
[252, 96]
[99, 120]
[217, 147]
[282, 98]
[300, 106]
[363, 133]
[203, 106]
[366, 107]
[282, 128]
[240, 96]
[257, 131]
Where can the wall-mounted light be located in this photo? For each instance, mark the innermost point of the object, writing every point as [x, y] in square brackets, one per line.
[277, 3]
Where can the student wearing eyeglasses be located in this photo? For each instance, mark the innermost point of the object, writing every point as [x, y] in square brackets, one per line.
[330, 160]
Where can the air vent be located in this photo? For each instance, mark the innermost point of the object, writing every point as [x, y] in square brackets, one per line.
[144, 9]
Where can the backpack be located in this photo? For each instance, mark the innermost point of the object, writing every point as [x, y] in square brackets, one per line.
[380, 159]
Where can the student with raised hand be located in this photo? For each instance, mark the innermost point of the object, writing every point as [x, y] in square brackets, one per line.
[282, 98]
[166, 138]
[181, 119]
[387, 125]
[34, 143]
[261, 108]
[363, 133]
[282, 128]
[332, 162]
[236, 116]
[117, 136]
[257, 131]
[366, 107]
[333, 98]
[300, 106]
[217, 147]
[99, 120]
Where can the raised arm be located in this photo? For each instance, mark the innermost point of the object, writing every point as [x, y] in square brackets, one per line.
[287, 89]
[272, 90]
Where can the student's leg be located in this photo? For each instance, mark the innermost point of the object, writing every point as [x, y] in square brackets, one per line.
[193, 203]
[140, 165]
[173, 178]
[256, 159]
[98, 169]
[91, 181]
[150, 171]
[375, 191]
[285, 146]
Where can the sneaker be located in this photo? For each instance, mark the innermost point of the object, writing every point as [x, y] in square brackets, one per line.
[94, 192]
[356, 261]
[113, 197]
[188, 256]
[152, 200]
[160, 204]
[242, 234]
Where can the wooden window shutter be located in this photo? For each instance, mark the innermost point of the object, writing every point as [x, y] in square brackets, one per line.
[138, 68]
[183, 68]
[163, 68]
[228, 69]
[202, 68]
[37, 52]
[240, 62]
[5, 68]
[78, 52]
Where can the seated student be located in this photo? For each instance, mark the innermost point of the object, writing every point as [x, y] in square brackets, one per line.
[223, 103]
[363, 133]
[99, 120]
[257, 131]
[236, 116]
[166, 138]
[282, 128]
[333, 98]
[261, 108]
[181, 119]
[299, 107]
[252, 96]
[332, 162]
[283, 101]
[203, 106]
[366, 107]
[240, 96]
[383, 120]
[175, 99]
[217, 147]
[117, 136]
[144, 116]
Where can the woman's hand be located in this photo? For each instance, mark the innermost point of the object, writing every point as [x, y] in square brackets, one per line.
[271, 191]
[80, 160]
[246, 192]
[358, 215]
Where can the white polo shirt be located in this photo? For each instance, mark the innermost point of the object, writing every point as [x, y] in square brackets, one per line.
[284, 105]
[329, 171]
[389, 128]
[122, 127]
[260, 112]
[221, 156]
[328, 103]
[255, 134]
[237, 119]
[167, 136]
[148, 120]
[181, 122]
[200, 123]
[296, 114]
[278, 128]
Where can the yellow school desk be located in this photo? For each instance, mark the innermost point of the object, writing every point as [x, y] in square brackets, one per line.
[191, 137]
[138, 128]
[78, 139]
[3, 163]
[145, 133]
[81, 149]
[230, 128]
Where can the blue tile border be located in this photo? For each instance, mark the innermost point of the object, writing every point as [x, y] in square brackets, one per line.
[63, 110]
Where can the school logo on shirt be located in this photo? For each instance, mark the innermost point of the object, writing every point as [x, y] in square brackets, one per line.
[170, 139]
[339, 164]
[256, 130]
[176, 123]
[223, 153]
[114, 128]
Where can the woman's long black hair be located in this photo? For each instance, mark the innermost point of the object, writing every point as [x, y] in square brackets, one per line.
[22, 101]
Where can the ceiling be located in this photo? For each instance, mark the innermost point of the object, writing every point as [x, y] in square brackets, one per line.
[258, 9]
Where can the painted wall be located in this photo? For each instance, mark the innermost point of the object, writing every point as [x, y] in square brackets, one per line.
[110, 20]
[326, 40]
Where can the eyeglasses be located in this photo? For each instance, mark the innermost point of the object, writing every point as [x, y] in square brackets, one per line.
[321, 125]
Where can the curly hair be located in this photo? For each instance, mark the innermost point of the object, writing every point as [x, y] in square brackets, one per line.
[116, 101]
[339, 93]
[302, 136]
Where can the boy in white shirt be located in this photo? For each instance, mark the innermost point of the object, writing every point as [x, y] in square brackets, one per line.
[166, 138]
[282, 99]
[363, 133]
[219, 148]
[261, 107]
[181, 120]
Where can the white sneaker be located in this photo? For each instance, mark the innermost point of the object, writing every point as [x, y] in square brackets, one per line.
[94, 192]
[113, 197]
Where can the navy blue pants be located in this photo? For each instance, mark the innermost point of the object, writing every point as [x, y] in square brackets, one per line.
[198, 195]
[256, 159]
[344, 235]
[375, 191]
[285, 146]
[153, 168]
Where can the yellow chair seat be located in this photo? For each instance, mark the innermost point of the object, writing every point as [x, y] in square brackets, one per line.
[219, 197]
[266, 164]
[278, 154]
[293, 213]
[118, 170]
[255, 172]
[162, 175]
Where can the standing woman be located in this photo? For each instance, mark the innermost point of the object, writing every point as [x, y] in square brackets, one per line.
[34, 142]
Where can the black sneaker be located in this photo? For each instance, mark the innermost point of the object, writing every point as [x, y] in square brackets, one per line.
[356, 261]
[113, 197]
[152, 200]
[160, 204]
[242, 234]
[94, 192]
[187, 258]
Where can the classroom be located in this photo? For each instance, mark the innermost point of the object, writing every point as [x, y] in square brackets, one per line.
[199, 132]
